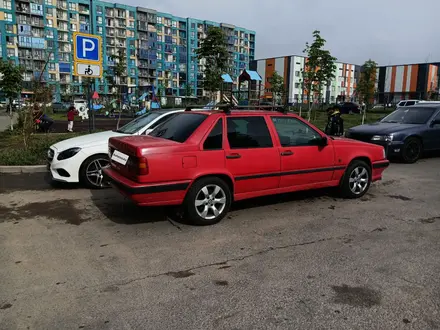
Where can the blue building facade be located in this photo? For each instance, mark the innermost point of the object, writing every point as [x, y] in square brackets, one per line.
[159, 48]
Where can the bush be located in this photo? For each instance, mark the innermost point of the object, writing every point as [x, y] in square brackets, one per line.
[12, 152]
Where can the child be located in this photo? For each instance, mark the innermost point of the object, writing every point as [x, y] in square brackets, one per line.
[70, 118]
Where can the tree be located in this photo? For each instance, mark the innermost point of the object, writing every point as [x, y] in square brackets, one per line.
[188, 92]
[319, 69]
[366, 84]
[214, 52]
[277, 86]
[115, 77]
[11, 84]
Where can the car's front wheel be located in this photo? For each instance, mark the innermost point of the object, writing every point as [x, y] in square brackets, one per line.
[412, 150]
[91, 174]
[356, 180]
[208, 201]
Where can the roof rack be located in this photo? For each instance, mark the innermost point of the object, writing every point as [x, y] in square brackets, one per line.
[226, 107]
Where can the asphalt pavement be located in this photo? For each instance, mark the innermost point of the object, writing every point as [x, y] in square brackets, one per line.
[78, 259]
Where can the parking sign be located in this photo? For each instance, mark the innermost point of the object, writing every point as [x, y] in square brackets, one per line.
[87, 48]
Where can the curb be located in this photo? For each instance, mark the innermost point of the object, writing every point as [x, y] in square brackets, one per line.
[23, 169]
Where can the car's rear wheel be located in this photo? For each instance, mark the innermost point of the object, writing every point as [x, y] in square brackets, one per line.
[91, 174]
[412, 150]
[207, 201]
[356, 180]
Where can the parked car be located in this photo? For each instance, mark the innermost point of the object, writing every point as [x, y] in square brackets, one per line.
[206, 160]
[59, 107]
[81, 159]
[407, 103]
[349, 107]
[405, 133]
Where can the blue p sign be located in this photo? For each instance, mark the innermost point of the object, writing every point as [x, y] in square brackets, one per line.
[87, 48]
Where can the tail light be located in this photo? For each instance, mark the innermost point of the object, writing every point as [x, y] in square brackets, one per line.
[142, 166]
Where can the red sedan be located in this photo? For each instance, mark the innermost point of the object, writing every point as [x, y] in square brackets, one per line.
[207, 160]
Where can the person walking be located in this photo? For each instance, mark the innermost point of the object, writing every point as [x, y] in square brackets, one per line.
[335, 123]
[70, 118]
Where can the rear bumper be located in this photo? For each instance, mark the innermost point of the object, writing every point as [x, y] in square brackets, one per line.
[378, 169]
[169, 193]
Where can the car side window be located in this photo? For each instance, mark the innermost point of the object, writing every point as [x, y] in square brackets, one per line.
[160, 121]
[410, 103]
[214, 141]
[437, 117]
[293, 132]
[401, 104]
[248, 132]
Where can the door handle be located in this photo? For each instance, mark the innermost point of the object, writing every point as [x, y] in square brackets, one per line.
[287, 153]
[233, 156]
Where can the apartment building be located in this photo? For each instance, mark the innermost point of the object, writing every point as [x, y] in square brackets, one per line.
[159, 47]
[411, 81]
[342, 88]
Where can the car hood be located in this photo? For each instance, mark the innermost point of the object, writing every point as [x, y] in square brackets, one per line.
[381, 128]
[87, 141]
[342, 141]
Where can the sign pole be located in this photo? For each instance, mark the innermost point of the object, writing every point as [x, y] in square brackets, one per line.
[89, 101]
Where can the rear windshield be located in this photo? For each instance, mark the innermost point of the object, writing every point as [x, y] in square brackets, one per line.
[413, 115]
[180, 127]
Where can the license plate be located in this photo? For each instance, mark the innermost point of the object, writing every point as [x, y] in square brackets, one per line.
[119, 157]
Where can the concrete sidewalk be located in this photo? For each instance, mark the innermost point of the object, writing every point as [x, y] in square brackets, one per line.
[5, 121]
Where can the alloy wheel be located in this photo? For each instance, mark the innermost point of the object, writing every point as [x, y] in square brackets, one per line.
[210, 202]
[94, 172]
[359, 180]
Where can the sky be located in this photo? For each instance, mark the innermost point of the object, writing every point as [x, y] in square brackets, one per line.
[387, 31]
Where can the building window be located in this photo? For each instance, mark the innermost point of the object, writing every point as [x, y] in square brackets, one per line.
[72, 6]
[99, 29]
[73, 16]
[49, 33]
[7, 4]
[99, 20]
[49, 23]
[296, 85]
[11, 52]
[9, 28]
[159, 20]
[48, 2]
[131, 14]
[8, 17]
[73, 27]
[99, 9]
[296, 73]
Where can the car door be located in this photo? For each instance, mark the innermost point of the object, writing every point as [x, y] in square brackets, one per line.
[302, 163]
[432, 135]
[251, 157]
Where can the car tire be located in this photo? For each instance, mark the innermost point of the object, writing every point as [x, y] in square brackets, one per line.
[90, 169]
[204, 197]
[412, 150]
[356, 180]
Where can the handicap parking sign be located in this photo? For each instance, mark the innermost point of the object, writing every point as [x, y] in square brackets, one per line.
[87, 48]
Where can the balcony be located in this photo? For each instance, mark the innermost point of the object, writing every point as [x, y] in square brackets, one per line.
[83, 10]
[62, 16]
[62, 5]
[109, 13]
[38, 23]
[22, 9]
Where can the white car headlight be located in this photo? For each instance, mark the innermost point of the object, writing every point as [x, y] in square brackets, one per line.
[385, 138]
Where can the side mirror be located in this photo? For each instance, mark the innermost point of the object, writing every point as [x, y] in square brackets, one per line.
[320, 142]
[435, 122]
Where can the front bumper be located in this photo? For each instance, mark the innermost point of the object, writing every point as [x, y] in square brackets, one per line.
[64, 170]
[392, 149]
